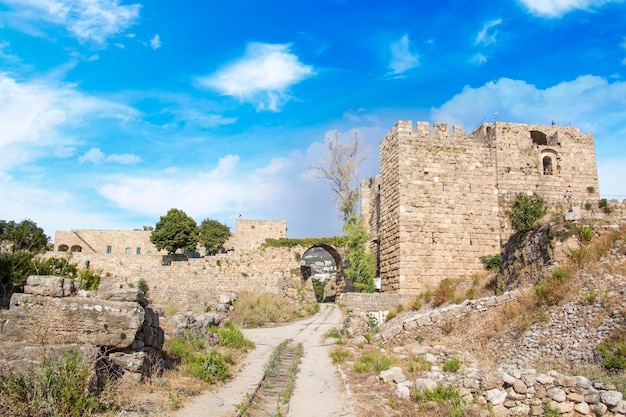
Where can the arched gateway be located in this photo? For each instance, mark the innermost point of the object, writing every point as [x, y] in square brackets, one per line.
[322, 264]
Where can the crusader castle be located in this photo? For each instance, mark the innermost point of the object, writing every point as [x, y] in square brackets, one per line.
[439, 201]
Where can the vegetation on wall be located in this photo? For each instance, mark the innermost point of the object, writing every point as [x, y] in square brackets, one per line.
[176, 230]
[525, 211]
[336, 241]
[361, 268]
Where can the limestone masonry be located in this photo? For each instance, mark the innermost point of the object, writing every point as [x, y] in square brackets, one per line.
[439, 201]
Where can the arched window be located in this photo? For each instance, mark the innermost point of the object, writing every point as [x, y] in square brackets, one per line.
[63, 248]
[127, 251]
[547, 166]
[77, 248]
[539, 138]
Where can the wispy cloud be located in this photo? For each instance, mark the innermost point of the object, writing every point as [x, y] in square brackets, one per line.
[262, 76]
[38, 118]
[487, 35]
[155, 42]
[97, 157]
[478, 59]
[87, 20]
[557, 8]
[403, 56]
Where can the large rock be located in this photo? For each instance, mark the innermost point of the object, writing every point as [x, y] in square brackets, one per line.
[46, 320]
[24, 356]
[49, 286]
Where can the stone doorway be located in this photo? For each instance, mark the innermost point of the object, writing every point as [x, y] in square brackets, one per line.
[322, 268]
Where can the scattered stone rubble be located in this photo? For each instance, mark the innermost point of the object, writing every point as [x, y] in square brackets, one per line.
[112, 328]
[358, 324]
[508, 391]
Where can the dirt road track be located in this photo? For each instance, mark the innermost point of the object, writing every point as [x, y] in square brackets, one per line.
[319, 390]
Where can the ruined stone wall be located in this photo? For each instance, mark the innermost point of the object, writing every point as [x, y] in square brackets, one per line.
[570, 161]
[440, 196]
[198, 282]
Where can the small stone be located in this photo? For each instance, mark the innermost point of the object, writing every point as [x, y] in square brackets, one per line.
[582, 408]
[392, 374]
[576, 398]
[557, 394]
[495, 396]
[544, 379]
[600, 409]
[520, 387]
[611, 398]
[520, 410]
[508, 379]
[425, 384]
[562, 407]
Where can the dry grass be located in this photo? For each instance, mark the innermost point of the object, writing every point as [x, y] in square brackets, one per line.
[256, 310]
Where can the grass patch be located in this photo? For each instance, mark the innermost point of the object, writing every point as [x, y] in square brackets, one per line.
[418, 364]
[231, 336]
[375, 361]
[440, 401]
[57, 388]
[452, 365]
[195, 361]
[339, 355]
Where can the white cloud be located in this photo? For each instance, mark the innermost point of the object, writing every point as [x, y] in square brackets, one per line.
[37, 118]
[589, 102]
[403, 56]
[97, 157]
[487, 35]
[478, 59]
[557, 8]
[155, 42]
[93, 57]
[262, 76]
[87, 20]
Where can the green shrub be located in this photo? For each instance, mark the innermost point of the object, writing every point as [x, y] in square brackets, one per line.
[57, 388]
[614, 353]
[491, 262]
[588, 206]
[195, 361]
[585, 233]
[375, 360]
[339, 355]
[232, 337]
[318, 289]
[604, 205]
[452, 365]
[89, 279]
[142, 286]
[417, 304]
[525, 211]
[551, 291]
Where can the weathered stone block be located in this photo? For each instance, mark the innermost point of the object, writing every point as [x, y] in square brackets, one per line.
[47, 320]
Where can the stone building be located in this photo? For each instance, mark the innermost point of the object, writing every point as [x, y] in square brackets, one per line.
[438, 203]
[248, 235]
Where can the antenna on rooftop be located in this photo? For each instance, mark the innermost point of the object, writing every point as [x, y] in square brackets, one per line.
[495, 115]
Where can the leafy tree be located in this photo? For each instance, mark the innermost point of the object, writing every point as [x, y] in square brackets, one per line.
[19, 244]
[361, 263]
[176, 230]
[213, 234]
[526, 211]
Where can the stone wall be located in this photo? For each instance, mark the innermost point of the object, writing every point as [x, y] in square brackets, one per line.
[365, 302]
[250, 234]
[438, 203]
[196, 283]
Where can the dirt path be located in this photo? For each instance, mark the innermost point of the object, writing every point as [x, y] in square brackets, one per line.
[319, 389]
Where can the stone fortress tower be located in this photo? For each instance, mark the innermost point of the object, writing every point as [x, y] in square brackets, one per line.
[439, 201]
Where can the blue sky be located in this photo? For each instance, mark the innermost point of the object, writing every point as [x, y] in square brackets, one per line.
[113, 112]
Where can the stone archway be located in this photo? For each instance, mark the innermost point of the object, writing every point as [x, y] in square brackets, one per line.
[332, 276]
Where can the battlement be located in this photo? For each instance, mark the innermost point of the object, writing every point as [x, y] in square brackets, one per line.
[425, 127]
